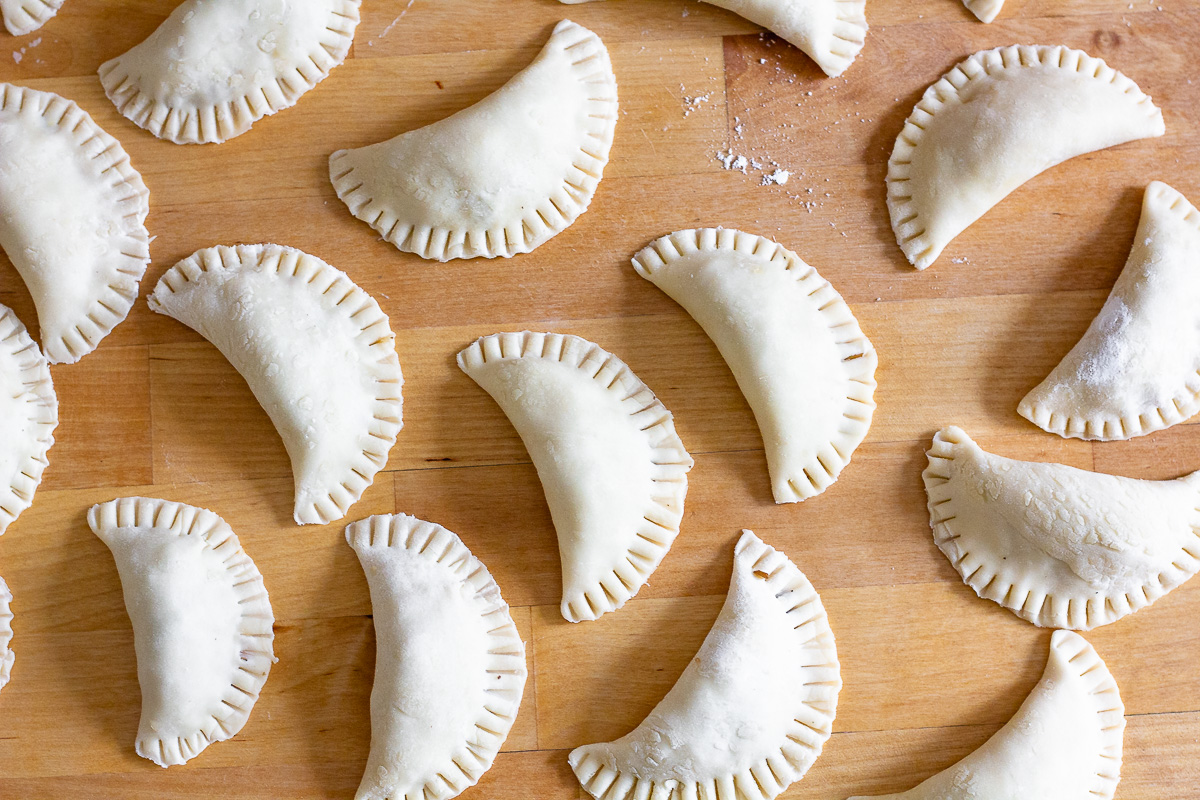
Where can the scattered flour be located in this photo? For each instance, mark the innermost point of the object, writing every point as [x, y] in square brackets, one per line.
[393, 23]
[20, 54]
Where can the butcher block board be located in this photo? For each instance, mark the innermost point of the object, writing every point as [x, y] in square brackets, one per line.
[930, 670]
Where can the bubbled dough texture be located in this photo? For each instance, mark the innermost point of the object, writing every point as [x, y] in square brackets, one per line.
[733, 705]
[430, 669]
[1142, 349]
[490, 164]
[303, 363]
[1009, 127]
[1103, 533]
[594, 463]
[19, 430]
[779, 347]
[60, 222]
[209, 52]
[186, 617]
[1048, 751]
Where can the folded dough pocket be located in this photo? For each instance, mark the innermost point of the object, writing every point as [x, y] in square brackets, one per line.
[28, 417]
[501, 177]
[1137, 368]
[992, 123]
[316, 350]
[26, 16]
[606, 451]
[215, 67]
[72, 219]
[753, 709]
[830, 32]
[1064, 743]
[449, 663]
[202, 623]
[1058, 546]
[796, 350]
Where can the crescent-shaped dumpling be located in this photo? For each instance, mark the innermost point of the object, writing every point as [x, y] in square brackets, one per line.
[1059, 546]
[1137, 369]
[830, 32]
[501, 177]
[316, 351]
[26, 16]
[995, 121]
[750, 714]
[796, 350]
[72, 219]
[985, 10]
[606, 451]
[1064, 743]
[202, 623]
[28, 417]
[6, 634]
[449, 663]
[215, 67]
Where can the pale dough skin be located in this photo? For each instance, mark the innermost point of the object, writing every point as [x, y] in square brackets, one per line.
[750, 714]
[28, 417]
[992, 123]
[794, 346]
[830, 32]
[498, 178]
[202, 622]
[450, 665]
[1063, 744]
[606, 452]
[316, 350]
[1137, 368]
[1058, 546]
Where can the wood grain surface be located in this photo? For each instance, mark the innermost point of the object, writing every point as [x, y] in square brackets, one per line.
[930, 670]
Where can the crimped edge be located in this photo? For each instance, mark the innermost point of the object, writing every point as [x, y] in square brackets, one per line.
[984, 10]
[219, 122]
[671, 460]
[1106, 428]
[766, 779]
[334, 289]
[541, 222]
[255, 631]
[39, 396]
[1081, 660]
[506, 651]
[30, 15]
[906, 219]
[6, 634]
[1077, 612]
[112, 165]
[860, 355]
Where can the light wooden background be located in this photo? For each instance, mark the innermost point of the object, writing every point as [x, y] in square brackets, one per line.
[930, 670]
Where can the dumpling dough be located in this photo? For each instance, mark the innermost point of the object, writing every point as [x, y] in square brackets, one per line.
[1063, 744]
[450, 665]
[6, 634]
[1058, 546]
[316, 351]
[1137, 369]
[501, 177]
[795, 348]
[830, 32]
[995, 121]
[26, 16]
[606, 451]
[202, 623]
[215, 67]
[985, 10]
[750, 714]
[28, 417]
[72, 219]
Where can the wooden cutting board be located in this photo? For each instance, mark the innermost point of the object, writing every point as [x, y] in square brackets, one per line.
[930, 670]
